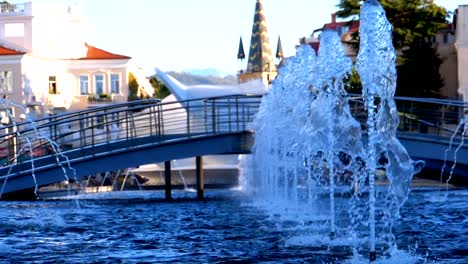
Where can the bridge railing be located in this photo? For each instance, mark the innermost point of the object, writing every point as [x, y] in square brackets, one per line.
[120, 124]
[435, 117]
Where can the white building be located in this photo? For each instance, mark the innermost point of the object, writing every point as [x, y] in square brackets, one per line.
[45, 62]
[462, 51]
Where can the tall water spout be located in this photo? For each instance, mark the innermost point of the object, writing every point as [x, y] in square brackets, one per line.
[308, 143]
[376, 67]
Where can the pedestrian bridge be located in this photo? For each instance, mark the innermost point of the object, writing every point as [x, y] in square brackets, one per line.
[119, 136]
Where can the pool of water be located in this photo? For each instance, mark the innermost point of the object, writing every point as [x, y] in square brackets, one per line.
[140, 227]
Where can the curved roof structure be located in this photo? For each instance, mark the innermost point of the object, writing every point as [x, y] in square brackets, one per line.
[186, 92]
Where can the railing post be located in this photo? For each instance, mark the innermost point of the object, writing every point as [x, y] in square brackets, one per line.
[229, 114]
[151, 120]
[54, 137]
[161, 115]
[158, 120]
[218, 118]
[213, 116]
[206, 116]
[106, 121]
[81, 132]
[243, 116]
[188, 119]
[237, 112]
[248, 116]
[411, 119]
[126, 125]
[92, 131]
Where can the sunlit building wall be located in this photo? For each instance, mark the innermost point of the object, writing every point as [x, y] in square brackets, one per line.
[45, 62]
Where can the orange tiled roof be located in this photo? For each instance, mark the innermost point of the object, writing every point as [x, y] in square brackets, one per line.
[7, 51]
[99, 54]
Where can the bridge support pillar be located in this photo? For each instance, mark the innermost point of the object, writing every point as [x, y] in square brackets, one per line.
[167, 180]
[200, 176]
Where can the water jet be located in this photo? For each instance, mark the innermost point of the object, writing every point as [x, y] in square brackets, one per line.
[307, 139]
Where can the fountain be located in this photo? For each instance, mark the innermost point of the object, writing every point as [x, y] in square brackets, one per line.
[311, 152]
[24, 145]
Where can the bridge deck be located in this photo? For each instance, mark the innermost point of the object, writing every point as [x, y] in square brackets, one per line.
[119, 136]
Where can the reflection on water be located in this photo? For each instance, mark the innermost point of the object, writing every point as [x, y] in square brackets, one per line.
[138, 227]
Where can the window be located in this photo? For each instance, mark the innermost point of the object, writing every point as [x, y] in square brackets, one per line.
[99, 84]
[115, 84]
[6, 82]
[53, 85]
[84, 84]
[14, 30]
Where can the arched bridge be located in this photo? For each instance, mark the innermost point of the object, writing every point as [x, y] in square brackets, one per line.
[119, 136]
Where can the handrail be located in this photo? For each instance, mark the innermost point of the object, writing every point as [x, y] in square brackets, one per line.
[437, 117]
[445, 102]
[100, 128]
[113, 124]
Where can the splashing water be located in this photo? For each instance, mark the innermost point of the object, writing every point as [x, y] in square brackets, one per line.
[31, 139]
[309, 148]
[462, 128]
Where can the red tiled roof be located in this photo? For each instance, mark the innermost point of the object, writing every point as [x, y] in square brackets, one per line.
[448, 27]
[7, 51]
[353, 25]
[315, 46]
[99, 54]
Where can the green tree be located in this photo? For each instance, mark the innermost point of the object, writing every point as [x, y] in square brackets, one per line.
[420, 70]
[352, 82]
[160, 89]
[415, 22]
[133, 88]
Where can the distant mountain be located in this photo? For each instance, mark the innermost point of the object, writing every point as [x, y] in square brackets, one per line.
[194, 79]
[205, 72]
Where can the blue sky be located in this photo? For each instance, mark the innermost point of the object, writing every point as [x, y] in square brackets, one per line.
[198, 34]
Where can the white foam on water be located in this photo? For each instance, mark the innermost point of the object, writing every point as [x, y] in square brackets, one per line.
[320, 240]
[396, 256]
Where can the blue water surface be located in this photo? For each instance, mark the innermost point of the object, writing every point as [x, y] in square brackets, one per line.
[140, 227]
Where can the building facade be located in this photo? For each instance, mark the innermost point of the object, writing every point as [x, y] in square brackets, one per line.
[46, 64]
[461, 45]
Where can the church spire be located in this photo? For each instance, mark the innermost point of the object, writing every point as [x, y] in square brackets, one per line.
[241, 53]
[260, 56]
[279, 49]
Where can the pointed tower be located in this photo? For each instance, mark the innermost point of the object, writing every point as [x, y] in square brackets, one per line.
[241, 53]
[260, 64]
[279, 49]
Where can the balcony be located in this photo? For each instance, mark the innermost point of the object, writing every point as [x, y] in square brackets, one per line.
[15, 9]
[105, 99]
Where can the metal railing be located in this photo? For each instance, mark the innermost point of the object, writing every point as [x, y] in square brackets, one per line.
[11, 8]
[126, 125]
[428, 116]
